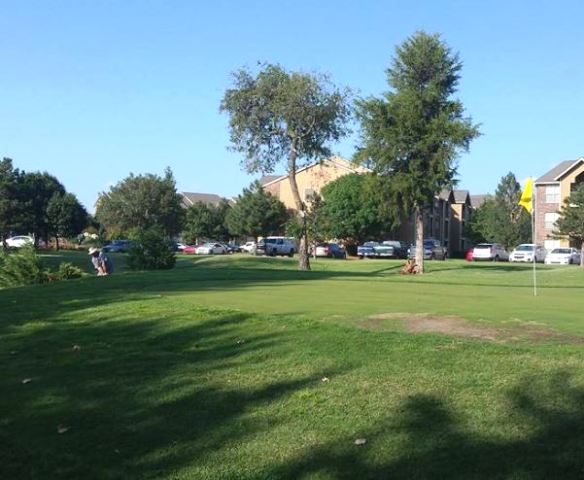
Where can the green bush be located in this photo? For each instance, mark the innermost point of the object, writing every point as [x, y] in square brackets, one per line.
[22, 267]
[67, 271]
[152, 250]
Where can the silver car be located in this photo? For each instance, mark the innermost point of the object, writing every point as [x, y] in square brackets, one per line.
[489, 251]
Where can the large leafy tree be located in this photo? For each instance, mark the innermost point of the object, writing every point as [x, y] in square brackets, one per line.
[413, 134]
[571, 219]
[500, 218]
[256, 213]
[350, 209]
[34, 193]
[139, 202]
[278, 116]
[9, 206]
[66, 216]
[205, 221]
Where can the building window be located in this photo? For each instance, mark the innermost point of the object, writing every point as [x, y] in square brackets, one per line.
[550, 220]
[552, 194]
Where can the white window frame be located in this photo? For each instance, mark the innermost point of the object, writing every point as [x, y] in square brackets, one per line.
[552, 194]
[550, 219]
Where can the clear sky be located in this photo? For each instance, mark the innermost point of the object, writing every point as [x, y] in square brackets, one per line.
[91, 90]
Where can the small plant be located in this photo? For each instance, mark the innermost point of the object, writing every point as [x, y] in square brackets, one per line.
[23, 267]
[68, 271]
[152, 250]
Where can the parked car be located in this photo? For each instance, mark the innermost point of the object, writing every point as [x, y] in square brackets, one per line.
[391, 249]
[367, 249]
[433, 250]
[232, 247]
[526, 252]
[212, 248]
[276, 246]
[468, 255]
[563, 256]
[330, 250]
[179, 247]
[116, 246]
[489, 251]
[19, 241]
[190, 249]
[248, 247]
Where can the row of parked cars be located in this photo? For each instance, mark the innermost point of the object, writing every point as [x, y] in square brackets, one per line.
[433, 250]
[526, 252]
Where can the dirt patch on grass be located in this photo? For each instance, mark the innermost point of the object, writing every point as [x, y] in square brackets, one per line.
[459, 327]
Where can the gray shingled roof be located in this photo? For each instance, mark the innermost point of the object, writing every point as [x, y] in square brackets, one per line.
[477, 200]
[206, 198]
[460, 196]
[554, 172]
[269, 178]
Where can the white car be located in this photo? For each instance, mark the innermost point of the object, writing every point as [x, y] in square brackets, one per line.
[212, 249]
[526, 251]
[249, 247]
[563, 256]
[19, 241]
[489, 251]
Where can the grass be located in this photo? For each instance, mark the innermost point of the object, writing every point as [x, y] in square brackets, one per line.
[242, 367]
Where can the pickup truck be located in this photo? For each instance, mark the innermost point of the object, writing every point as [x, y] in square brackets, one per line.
[367, 249]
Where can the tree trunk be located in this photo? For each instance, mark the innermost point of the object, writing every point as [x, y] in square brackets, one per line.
[57, 242]
[303, 259]
[419, 220]
[582, 254]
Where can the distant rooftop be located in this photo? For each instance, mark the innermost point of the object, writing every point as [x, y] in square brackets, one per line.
[477, 200]
[554, 173]
[190, 198]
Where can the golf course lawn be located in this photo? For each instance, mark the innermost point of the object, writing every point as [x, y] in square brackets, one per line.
[240, 367]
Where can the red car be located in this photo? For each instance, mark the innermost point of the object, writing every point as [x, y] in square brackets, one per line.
[190, 249]
[468, 255]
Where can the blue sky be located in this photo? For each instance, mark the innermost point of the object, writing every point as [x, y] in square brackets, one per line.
[93, 90]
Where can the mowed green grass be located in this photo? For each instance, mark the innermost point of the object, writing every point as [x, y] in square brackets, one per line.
[242, 367]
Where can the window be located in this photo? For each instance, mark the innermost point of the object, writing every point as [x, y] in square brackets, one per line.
[552, 194]
[550, 220]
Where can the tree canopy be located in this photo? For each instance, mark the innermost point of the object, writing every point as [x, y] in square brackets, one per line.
[256, 213]
[350, 209]
[501, 219]
[278, 116]
[570, 222]
[141, 202]
[413, 134]
[206, 222]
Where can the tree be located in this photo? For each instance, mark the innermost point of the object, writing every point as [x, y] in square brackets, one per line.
[350, 209]
[66, 216]
[205, 221]
[141, 202]
[9, 178]
[414, 133]
[277, 116]
[570, 222]
[256, 213]
[34, 193]
[501, 219]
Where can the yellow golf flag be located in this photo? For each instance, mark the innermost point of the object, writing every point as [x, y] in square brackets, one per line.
[527, 196]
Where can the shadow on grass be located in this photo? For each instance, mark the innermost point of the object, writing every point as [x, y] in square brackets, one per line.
[137, 399]
[546, 440]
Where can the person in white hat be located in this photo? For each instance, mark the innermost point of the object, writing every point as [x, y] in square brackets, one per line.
[103, 265]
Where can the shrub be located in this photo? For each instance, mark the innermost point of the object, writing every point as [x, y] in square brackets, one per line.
[152, 250]
[22, 267]
[67, 271]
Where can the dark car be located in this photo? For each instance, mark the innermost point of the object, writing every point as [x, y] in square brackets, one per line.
[433, 250]
[392, 249]
[118, 246]
[330, 250]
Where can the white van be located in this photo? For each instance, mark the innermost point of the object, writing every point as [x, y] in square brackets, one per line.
[276, 246]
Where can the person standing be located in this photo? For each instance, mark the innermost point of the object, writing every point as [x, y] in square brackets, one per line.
[102, 264]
